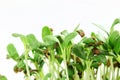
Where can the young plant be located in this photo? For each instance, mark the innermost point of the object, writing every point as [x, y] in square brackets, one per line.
[66, 60]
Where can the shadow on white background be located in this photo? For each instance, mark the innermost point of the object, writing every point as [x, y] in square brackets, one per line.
[29, 16]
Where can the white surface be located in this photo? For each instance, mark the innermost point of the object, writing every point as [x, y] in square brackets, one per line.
[29, 16]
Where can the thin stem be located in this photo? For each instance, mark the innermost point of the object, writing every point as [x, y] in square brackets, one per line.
[64, 58]
[51, 64]
[26, 61]
[65, 63]
[88, 71]
[104, 73]
[66, 70]
[117, 75]
[111, 70]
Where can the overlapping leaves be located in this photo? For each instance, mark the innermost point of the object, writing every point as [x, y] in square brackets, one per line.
[57, 49]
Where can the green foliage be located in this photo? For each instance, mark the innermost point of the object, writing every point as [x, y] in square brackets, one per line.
[2, 77]
[79, 51]
[32, 41]
[68, 38]
[116, 21]
[48, 75]
[46, 31]
[113, 37]
[66, 60]
[12, 52]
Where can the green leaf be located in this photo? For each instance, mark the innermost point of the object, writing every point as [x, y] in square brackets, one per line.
[116, 21]
[17, 35]
[47, 76]
[68, 38]
[38, 51]
[70, 71]
[22, 37]
[80, 66]
[12, 52]
[50, 40]
[106, 45]
[117, 45]
[118, 58]
[95, 64]
[65, 33]
[88, 40]
[46, 31]
[93, 34]
[106, 53]
[99, 58]
[42, 45]
[113, 37]
[38, 60]
[36, 57]
[59, 59]
[32, 41]
[60, 38]
[2, 77]
[21, 64]
[79, 51]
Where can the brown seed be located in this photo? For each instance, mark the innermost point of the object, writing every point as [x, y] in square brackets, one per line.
[91, 44]
[116, 64]
[93, 37]
[8, 57]
[80, 74]
[56, 45]
[47, 55]
[25, 72]
[72, 56]
[51, 29]
[67, 62]
[46, 52]
[33, 70]
[108, 63]
[96, 51]
[98, 43]
[99, 64]
[78, 59]
[57, 56]
[16, 69]
[81, 33]
[20, 70]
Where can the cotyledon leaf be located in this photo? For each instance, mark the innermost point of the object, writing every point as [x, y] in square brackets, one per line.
[12, 52]
[32, 41]
[50, 40]
[46, 31]
[117, 45]
[116, 21]
[22, 37]
[79, 51]
[68, 38]
[113, 37]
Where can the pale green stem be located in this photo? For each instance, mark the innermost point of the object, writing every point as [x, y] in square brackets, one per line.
[111, 71]
[117, 75]
[66, 66]
[27, 67]
[88, 71]
[64, 58]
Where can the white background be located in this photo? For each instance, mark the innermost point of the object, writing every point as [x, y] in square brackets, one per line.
[29, 16]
